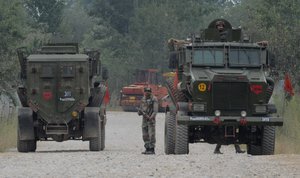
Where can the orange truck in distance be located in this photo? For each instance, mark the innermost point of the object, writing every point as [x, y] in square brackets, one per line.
[131, 95]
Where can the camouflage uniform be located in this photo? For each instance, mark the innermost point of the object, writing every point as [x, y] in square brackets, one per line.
[150, 108]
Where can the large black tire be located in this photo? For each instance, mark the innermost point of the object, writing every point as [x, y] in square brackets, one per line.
[267, 145]
[181, 131]
[170, 122]
[176, 95]
[32, 146]
[253, 149]
[25, 146]
[181, 139]
[96, 143]
[25, 121]
[268, 140]
[102, 135]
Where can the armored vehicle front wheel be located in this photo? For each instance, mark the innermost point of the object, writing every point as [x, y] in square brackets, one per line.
[96, 142]
[170, 122]
[181, 142]
[102, 135]
[25, 145]
[253, 149]
[26, 141]
[268, 140]
[267, 145]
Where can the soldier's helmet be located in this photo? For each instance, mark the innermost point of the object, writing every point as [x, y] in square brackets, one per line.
[147, 89]
[220, 23]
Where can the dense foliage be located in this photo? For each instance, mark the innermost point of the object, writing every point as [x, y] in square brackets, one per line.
[134, 33]
[12, 22]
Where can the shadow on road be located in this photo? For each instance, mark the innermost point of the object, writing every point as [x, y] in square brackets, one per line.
[64, 151]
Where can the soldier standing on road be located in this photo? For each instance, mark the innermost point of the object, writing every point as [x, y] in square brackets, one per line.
[149, 109]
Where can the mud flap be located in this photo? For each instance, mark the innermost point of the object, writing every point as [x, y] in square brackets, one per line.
[91, 123]
[25, 124]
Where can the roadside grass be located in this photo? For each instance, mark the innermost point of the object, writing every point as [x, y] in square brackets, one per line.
[288, 136]
[8, 134]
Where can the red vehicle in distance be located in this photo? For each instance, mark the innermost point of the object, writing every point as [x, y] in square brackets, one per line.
[131, 95]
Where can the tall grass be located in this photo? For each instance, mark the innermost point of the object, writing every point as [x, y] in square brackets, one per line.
[8, 133]
[288, 136]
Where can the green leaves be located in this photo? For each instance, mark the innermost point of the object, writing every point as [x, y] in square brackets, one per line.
[47, 12]
[11, 24]
[133, 33]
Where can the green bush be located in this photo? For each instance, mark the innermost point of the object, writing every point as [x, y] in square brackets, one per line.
[288, 136]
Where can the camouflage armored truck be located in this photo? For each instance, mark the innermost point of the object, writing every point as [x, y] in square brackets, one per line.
[222, 93]
[61, 97]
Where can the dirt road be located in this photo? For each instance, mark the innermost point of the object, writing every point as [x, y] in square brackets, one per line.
[122, 158]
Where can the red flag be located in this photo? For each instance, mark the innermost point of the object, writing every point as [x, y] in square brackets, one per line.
[176, 79]
[106, 96]
[288, 85]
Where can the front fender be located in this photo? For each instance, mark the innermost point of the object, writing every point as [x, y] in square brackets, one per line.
[91, 122]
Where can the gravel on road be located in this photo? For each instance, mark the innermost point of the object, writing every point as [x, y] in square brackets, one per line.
[122, 157]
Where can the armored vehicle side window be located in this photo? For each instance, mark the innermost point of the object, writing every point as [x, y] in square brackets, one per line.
[208, 57]
[68, 71]
[47, 72]
[244, 57]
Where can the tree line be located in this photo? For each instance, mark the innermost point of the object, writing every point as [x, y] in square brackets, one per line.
[133, 34]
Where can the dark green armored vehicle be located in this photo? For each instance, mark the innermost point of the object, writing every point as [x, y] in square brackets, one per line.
[61, 97]
[222, 92]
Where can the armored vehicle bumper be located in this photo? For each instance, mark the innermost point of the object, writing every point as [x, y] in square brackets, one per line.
[229, 120]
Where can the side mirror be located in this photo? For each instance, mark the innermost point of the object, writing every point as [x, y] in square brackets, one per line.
[173, 60]
[271, 59]
[22, 55]
[99, 70]
[104, 73]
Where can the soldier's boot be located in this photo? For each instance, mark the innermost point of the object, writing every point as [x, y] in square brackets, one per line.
[238, 149]
[146, 151]
[217, 149]
[151, 151]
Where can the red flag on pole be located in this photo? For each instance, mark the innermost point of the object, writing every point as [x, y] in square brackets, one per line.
[176, 79]
[106, 96]
[288, 85]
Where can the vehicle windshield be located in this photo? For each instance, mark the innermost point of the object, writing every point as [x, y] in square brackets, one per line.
[208, 57]
[244, 57]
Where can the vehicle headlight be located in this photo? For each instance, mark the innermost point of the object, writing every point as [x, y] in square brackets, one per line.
[243, 113]
[217, 113]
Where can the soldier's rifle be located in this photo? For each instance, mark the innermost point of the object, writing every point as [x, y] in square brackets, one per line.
[141, 112]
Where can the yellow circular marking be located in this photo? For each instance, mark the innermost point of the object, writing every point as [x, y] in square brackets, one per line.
[202, 87]
[74, 114]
